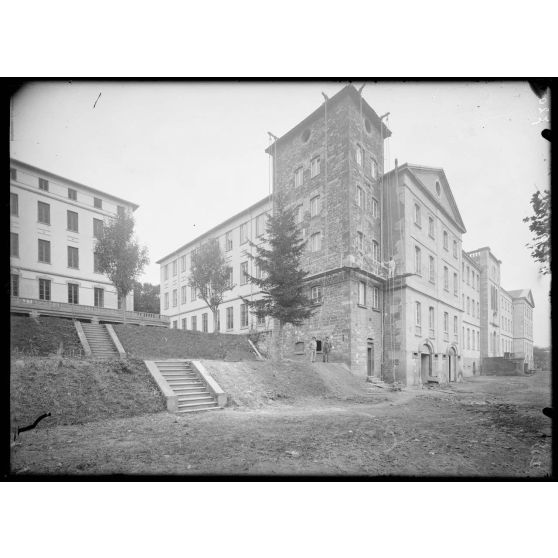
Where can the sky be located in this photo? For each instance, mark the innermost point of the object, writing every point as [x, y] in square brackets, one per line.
[192, 154]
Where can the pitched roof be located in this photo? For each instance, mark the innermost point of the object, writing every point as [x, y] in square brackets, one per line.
[426, 178]
[523, 293]
[348, 90]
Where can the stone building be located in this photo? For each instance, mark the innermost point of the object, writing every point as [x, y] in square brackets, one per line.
[523, 305]
[470, 303]
[430, 319]
[423, 308]
[53, 225]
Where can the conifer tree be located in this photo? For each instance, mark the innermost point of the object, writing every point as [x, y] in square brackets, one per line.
[281, 280]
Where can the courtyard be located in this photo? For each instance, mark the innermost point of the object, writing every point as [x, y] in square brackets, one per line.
[485, 426]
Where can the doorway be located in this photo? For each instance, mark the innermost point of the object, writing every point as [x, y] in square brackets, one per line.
[425, 364]
[452, 362]
[370, 359]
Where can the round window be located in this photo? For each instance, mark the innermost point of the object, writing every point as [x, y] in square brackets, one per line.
[438, 188]
[367, 125]
[305, 135]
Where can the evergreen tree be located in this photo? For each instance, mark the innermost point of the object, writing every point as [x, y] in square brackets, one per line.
[539, 225]
[281, 280]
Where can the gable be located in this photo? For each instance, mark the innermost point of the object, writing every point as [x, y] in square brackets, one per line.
[428, 178]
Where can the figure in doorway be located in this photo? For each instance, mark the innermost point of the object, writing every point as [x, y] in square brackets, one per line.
[313, 347]
[326, 348]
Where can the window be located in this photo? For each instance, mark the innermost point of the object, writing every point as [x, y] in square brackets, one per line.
[431, 318]
[73, 257]
[230, 281]
[359, 197]
[184, 323]
[166, 272]
[72, 194]
[360, 241]
[43, 184]
[261, 320]
[468, 275]
[314, 206]
[430, 227]
[44, 251]
[418, 269]
[174, 324]
[418, 314]
[175, 268]
[99, 297]
[316, 242]
[120, 210]
[98, 203]
[230, 323]
[43, 213]
[375, 251]
[431, 269]
[373, 168]
[243, 315]
[468, 305]
[194, 323]
[446, 322]
[97, 228]
[468, 338]
[455, 248]
[455, 325]
[455, 290]
[375, 298]
[445, 240]
[96, 265]
[243, 233]
[166, 301]
[218, 322]
[204, 322]
[446, 279]
[183, 294]
[14, 204]
[298, 177]
[192, 293]
[14, 245]
[362, 293]
[258, 271]
[359, 155]
[478, 310]
[316, 293]
[73, 293]
[417, 215]
[44, 289]
[72, 221]
[298, 214]
[14, 284]
[228, 241]
[260, 224]
[174, 298]
[13, 174]
[374, 207]
[183, 263]
[314, 167]
[244, 273]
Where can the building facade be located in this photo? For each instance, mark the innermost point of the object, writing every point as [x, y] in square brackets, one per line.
[523, 305]
[392, 287]
[53, 225]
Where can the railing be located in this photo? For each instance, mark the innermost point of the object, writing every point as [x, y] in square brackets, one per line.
[83, 311]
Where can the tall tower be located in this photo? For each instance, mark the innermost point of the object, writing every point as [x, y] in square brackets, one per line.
[329, 166]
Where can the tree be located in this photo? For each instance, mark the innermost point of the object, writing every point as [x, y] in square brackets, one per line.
[539, 225]
[210, 276]
[146, 297]
[119, 256]
[281, 281]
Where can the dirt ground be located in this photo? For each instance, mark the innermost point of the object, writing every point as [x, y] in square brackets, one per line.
[485, 426]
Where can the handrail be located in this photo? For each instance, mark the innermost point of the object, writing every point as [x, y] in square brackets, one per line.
[82, 308]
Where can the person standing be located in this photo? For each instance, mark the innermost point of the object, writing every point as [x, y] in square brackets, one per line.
[326, 348]
[313, 347]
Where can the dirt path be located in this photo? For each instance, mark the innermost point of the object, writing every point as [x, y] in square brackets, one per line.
[488, 426]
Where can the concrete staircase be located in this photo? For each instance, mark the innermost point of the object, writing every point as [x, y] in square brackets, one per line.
[187, 384]
[99, 341]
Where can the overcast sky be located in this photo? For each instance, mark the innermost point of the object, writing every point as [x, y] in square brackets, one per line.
[192, 154]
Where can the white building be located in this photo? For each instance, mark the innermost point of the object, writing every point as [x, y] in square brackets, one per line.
[523, 305]
[53, 224]
[181, 304]
[506, 322]
[470, 299]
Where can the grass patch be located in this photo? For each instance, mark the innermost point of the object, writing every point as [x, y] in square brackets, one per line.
[75, 391]
[42, 336]
[156, 342]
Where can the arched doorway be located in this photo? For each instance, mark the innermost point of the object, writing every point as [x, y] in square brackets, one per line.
[452, 364]
[425, 362]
